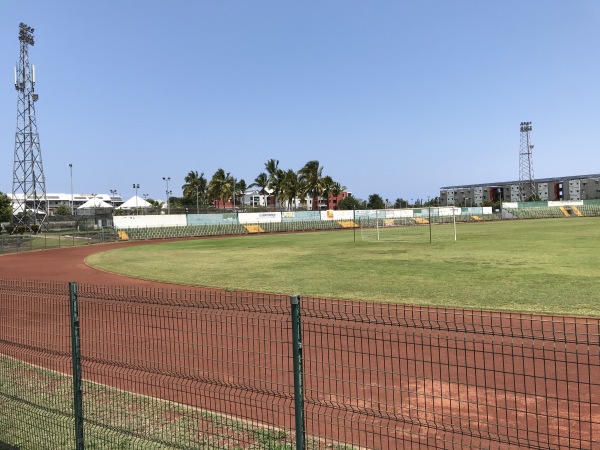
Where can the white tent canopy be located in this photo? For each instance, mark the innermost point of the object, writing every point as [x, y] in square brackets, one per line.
[135, 202]
[94, 203]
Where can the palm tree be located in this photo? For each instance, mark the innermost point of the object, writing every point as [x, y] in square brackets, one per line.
[275, 178]
[310, 180]
[240, 191]
[337, 190]
[327, 185]
[272, 166]
[290, 188]
[262, 181]
[276, 182]
[155, 205]
[220, 186]
[195, 187]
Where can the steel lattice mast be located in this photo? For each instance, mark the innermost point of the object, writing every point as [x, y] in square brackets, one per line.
[29, 184]
[527, 188]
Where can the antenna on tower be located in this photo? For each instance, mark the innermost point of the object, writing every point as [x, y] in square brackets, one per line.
[30, 206]
[527, 189]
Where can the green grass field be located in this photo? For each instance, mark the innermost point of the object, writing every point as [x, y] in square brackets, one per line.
[542, 266]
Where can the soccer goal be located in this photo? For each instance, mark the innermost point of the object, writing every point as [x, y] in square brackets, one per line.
[423, 225]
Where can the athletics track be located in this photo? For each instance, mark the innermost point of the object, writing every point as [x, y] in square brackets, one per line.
[67, 264]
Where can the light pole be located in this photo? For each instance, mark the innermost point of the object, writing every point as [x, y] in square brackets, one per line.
[168, 204]
[136, 186]
[113, 193]
[197, 204]
[71, 170]
[234, 193]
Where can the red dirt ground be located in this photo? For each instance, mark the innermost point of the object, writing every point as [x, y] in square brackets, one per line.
[433, 395]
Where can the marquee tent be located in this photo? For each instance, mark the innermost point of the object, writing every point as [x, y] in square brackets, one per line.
[135, 202]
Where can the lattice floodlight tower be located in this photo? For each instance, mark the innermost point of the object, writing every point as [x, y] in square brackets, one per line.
[29, 185]
[526, 179]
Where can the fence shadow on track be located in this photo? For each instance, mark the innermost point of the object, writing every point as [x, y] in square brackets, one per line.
[212, 369]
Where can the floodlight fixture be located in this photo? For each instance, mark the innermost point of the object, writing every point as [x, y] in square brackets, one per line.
[26, 34]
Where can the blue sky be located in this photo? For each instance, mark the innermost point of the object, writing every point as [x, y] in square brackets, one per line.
[397, 97]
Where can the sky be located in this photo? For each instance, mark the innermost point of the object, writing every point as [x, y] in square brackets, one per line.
[396, 98]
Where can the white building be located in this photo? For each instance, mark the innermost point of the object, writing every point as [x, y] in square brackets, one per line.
[77, 200]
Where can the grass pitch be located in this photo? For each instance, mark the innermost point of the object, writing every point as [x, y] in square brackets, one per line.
[539, 266]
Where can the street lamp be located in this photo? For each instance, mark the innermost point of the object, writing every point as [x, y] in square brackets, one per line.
[113, 193]
[197, 204]
[234, 193]
[168, 204]
[136, 186]
[71, 170]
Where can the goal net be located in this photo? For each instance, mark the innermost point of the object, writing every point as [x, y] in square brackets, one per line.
[418, 225]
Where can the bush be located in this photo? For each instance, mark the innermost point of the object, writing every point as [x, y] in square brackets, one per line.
[35, 229]
[21, 229]
[9, 229]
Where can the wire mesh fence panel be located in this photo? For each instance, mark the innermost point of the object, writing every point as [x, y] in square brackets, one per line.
[36, 389]
[181, 369]
[185, 369]
[393, 376]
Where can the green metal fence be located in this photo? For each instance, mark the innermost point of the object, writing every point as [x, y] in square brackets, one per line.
[16, 243]
[108, 367]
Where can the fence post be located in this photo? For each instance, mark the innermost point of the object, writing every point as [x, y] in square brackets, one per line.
[298, 374]
[76, 356]
[430, 224]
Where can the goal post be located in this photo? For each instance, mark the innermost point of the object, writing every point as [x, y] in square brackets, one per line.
[416, 225]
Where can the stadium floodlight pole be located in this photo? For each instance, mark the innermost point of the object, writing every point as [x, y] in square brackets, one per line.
[113, 193]
[168, 204]
[71, 170]
[527, 189]
[197, 203]
[136, 186]
[29, 183]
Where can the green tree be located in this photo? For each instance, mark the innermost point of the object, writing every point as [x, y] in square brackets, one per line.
[290, 188]
[240, 191]
[62, 210]
[194, 189]
[272, 166]
[327, 187]
[351, 203]
[5, 208]
[156, 206]
[375, 202]
[400, 203]
[221, 186]
[262, 181]
[310, 177]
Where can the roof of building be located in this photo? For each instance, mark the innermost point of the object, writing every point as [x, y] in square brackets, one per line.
[537, 180]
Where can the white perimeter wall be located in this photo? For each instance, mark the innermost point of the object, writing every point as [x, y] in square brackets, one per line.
[566, 203]
[154, 221]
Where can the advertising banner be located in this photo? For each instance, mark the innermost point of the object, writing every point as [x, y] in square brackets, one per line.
[262, 217]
